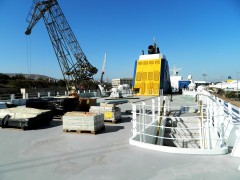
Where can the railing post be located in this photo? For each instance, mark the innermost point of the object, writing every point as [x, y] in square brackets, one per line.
[134, 120]
[168, 104]
[222, 134]
[222, 126]
[200, 134]
[26, 96]
[144, 120]
[202, 125]
[57, 93]
[159, 105]
[65, 93]
[153, 110]
[164, 107]
[49, 94]
[230, 111]
[208, 124]
[140, 121]
[39, 95]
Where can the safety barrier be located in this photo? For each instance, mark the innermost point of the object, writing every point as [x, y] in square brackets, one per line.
[18, 98]
[150, 122]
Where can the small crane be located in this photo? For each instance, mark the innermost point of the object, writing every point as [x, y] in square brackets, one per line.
[101, 85]
[103, 67]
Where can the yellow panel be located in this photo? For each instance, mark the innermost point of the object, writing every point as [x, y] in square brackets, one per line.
[156, 75]
[108, 115]
[142, 90]
[138, 76]
[148, 76]
[151, 62]
[137, 85]
[144, 76]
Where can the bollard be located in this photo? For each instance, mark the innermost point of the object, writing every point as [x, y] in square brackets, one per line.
[12, 96]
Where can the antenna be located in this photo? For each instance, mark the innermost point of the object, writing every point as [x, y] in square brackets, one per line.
[175, 70]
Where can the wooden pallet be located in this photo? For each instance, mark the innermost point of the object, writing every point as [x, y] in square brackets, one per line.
[114, 121]
[83, 131]
[57, 117]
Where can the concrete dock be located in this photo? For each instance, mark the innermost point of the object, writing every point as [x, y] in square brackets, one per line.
[49, 153]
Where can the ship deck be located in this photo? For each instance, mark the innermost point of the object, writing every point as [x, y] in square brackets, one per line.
[49, 153]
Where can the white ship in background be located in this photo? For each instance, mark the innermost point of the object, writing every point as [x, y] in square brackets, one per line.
[229, 84]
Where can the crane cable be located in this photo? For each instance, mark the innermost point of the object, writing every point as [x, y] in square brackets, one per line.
[29, 44]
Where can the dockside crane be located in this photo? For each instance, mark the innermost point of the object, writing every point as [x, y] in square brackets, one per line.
[73, 63]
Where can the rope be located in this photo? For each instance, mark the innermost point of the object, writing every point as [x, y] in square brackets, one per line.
[28, 44]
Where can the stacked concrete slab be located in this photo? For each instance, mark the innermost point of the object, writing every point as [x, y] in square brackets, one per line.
[83, 122]
[24, 117]
[110, 111]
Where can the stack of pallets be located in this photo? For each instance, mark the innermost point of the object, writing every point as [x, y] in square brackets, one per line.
[110, 111]
[83, 122]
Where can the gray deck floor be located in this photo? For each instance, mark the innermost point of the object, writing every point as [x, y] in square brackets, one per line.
[48, 153]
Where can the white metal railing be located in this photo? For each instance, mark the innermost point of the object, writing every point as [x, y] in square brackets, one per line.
[231, 113]
[210, 123]
[11, 97]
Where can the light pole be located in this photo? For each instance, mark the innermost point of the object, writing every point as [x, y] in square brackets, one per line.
[204, 75]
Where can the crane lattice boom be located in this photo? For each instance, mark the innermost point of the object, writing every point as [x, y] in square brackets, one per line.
[76, 68]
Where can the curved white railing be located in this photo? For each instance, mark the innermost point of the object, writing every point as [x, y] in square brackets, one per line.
[214, 126]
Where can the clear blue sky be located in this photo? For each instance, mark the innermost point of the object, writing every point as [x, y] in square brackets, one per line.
[199, 36]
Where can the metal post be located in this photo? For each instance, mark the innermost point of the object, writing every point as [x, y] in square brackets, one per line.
[208, 125]
[134, 120]
[200, 133]
[221, 124]
[153, 110]
[202, 125]
[49, 94]
[164, 108]
[230, 111]
[39, 95]
[140, 121]
[144, 120]
[159, 105]
[168, 104]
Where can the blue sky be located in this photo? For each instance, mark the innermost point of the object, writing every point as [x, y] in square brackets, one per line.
[199, 36]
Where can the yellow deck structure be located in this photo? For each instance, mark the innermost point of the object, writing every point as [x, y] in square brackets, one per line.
[148, 75]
